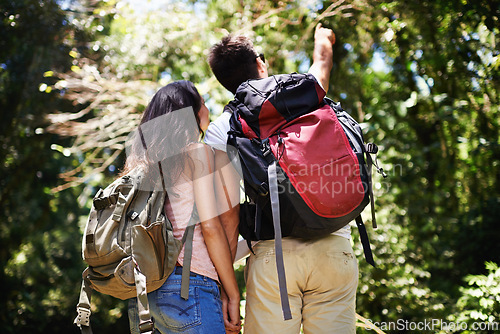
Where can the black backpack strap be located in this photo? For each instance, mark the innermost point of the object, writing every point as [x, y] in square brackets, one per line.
[273, 192]
[258, 219]
[232, 106]
[365, 241]
[369, 163]
[370, 149]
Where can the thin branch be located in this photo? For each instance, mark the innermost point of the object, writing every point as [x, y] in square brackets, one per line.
[96, 171]
[334, 9]
[365, 323]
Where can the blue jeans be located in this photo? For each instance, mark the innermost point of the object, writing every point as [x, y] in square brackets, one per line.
[200, 314]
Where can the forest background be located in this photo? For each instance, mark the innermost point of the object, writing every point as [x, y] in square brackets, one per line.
[421, 76]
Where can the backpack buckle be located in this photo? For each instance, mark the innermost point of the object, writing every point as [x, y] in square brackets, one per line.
[83, 318]
[371, 148]
[265, 148]
[101, 203]
[263, 189]
[147, 326]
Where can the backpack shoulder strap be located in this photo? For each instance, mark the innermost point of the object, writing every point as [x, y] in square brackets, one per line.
[275, 207]
[232, 106]
[187, 241]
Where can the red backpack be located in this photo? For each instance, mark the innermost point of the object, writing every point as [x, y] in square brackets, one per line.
[302, 159]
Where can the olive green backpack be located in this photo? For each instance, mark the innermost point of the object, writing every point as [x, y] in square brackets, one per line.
[129, 246]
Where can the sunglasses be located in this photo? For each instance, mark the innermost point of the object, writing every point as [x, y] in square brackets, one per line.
[261, 56]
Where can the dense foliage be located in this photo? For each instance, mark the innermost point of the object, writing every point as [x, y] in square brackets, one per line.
[421, 76]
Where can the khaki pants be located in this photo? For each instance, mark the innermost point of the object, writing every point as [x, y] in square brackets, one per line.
[322, 279]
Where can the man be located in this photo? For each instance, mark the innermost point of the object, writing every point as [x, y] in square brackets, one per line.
[322, 275]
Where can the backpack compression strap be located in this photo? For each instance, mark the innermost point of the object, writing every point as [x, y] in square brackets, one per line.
[146, 325]
[370, 148]
[369, 163]
[365, 242]
[275, 206]
[82, 320]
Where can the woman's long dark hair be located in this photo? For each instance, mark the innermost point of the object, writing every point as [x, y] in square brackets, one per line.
[167, 127]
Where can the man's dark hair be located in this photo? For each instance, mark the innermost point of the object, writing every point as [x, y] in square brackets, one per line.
[233, 61]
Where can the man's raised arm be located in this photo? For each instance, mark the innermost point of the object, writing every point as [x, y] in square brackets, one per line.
[324, 39]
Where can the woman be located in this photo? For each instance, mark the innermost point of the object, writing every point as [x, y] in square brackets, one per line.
[170, 130]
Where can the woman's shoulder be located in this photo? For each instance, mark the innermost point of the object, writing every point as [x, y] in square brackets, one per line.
[202, 156]
[199, 150]
[197, 145]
